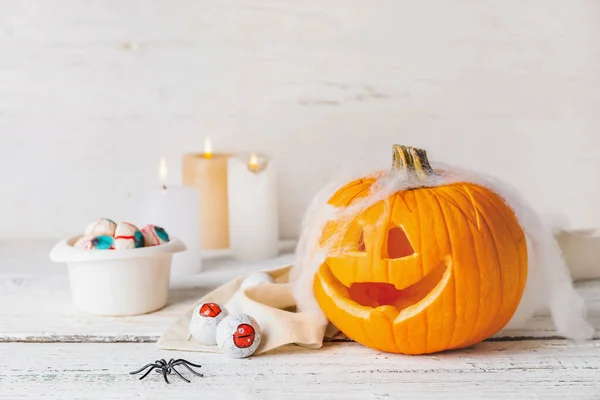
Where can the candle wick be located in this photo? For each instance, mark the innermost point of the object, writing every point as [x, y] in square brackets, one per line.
[164, 187]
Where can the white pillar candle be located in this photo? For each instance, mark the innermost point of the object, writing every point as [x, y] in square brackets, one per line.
[253, 220]
[175, 208]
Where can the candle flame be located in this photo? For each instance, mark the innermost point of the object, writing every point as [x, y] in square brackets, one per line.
[162, 172]
[256, 163]
[208, 149]
[253, 163]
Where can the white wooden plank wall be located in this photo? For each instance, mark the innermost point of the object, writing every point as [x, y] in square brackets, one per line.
[93, 93]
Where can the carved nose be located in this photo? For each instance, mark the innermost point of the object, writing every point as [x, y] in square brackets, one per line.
[361, 243]
[398, 245]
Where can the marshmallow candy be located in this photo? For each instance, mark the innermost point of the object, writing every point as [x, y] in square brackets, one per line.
[128, 236]
[101, 227]
[103, 242]
[204, 322]
[238, 336]
[154, 235]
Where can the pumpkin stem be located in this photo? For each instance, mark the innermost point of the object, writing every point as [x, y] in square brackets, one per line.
[412, 160]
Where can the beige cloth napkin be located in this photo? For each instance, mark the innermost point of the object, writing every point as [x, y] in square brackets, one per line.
[268, 303]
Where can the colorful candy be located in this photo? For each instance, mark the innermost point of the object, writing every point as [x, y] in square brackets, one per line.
[154, 235]
[238, 336]
[205, 319]
[102, 242]
[105, 234]
[128, 236]
[101, 227]
[255, 279]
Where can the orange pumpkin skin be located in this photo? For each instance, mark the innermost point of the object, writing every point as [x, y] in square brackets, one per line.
[426, 270]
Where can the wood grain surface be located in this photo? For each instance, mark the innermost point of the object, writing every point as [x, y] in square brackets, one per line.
[49, 351]
[547, 369]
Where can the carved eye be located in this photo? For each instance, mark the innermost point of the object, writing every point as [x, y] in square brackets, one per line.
[398, 245]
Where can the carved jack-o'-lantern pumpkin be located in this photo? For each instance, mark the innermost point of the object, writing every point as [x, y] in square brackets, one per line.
[424, 270]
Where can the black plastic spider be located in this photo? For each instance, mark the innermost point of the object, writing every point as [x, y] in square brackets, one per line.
[161, 366]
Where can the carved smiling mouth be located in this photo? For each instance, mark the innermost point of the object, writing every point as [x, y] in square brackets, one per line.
[375, 294]
[403, 302]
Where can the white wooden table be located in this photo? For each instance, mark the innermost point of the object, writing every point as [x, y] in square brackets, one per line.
[48, 351]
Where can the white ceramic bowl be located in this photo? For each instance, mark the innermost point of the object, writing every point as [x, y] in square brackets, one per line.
[118, 282]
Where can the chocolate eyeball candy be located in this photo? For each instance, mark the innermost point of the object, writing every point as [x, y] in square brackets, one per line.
[256, 278]
[103, 242]
[101, 227]
[204, 322]
[154, 235]
[128, 236]
[238, 335]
